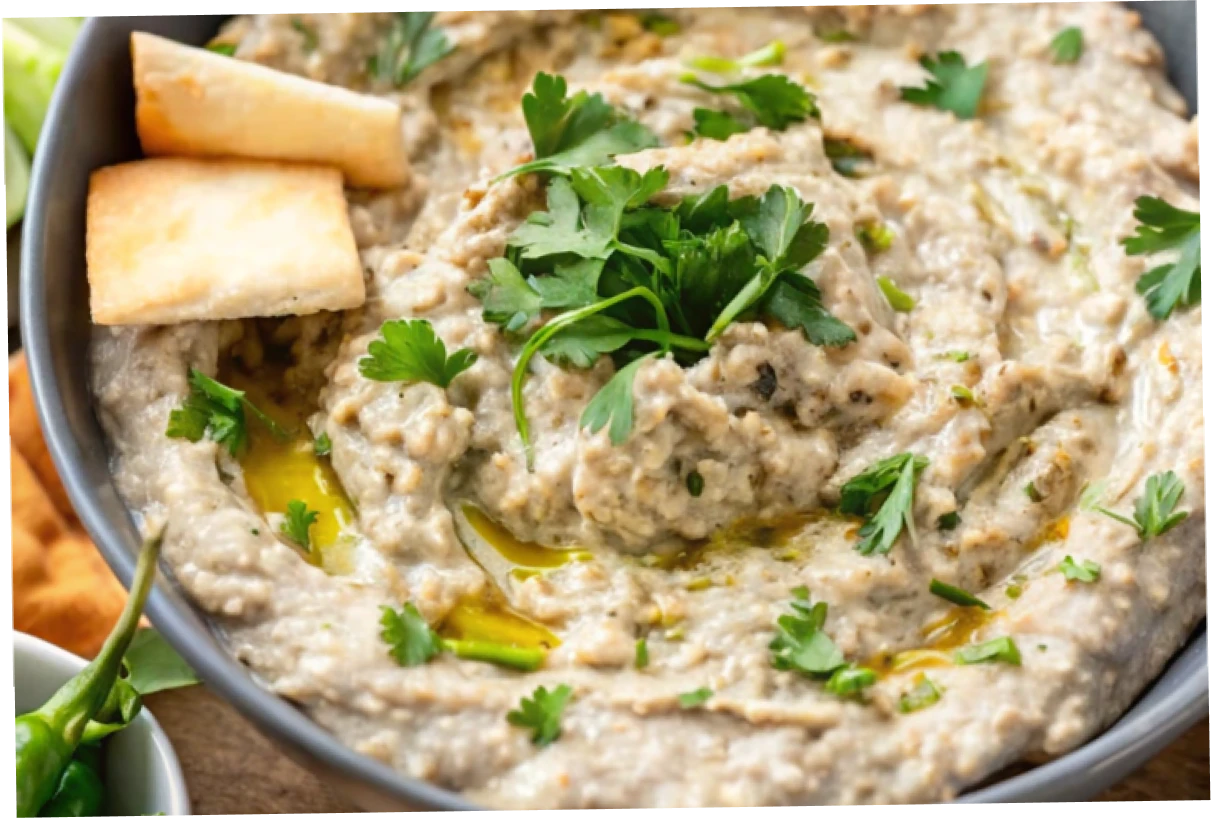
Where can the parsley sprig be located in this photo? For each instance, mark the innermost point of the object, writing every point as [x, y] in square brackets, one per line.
[1165, 227]
[771, 100]
[953, 86]
[411, 46]
[410, 351]
[1067, 45]
[1154, 513]
[581, 130]
[218, 411]
[893, 481]
[801, 644]
[541, 713]
[1083, 571]
[297, 523]
[413, 642]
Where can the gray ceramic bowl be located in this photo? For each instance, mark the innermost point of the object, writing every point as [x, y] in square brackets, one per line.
[91, 124]
[142, 776]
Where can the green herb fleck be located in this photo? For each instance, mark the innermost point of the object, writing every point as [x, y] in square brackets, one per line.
[1001, 650]
[541, 713]
[898, 299]
[641, 653]
[297, 523]
[958, 355]
[410, 47]
[226, 49]
[410, 351]
[875, 237]
[695, 698]
[1067, 45]
[954, 86]
[964, 396]
[848, 159]
[956, 596]
[411, 639]
[800, 642]
[923, 694]
[694, 484]
[1032, 492]
[770, 54]
[659, 24]
[323, 445]
[311, 40]
[1084, 571]
[850, 681]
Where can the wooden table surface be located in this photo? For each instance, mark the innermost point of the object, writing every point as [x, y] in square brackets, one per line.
[231, 768]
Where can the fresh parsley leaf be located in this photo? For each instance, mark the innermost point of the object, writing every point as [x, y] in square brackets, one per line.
[800, 642]
[1084, 571]
[506, 297]
[923, 694]
[1067, 45]
[641, 653]
[226, 49]
[323, 445]
[896, 475]
[694, 484]
[613, 404]
[410, 351]
[795, 302]
[297, 523]
[774, 100]
[1165, 227]
[581, 344]
[410, 47]
[955, 87]
[695, 698]
[659, 24]
[218, 410]
[876, 237]
[409, 636]
[717, 124]
[151, 665]
[578, 131]
[1001, 650]
[850, 681]
[311, 40]
[847, 158]
[898, 299]
[541, 713]
[770, 54]
[956, 596]
[1154, 513]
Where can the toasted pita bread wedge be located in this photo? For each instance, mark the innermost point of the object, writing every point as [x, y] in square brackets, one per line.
[193, 102]
[174, 239]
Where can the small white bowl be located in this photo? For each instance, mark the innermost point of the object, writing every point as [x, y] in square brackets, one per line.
[142, 776]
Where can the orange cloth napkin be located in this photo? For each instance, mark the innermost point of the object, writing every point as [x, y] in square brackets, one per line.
[63, 591]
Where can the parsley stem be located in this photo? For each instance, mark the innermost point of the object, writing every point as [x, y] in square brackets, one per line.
[504, 655]
[564, 321]
[749, 294]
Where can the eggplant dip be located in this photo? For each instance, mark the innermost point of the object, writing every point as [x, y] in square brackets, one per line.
[810, 396]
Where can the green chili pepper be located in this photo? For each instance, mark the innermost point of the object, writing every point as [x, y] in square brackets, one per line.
[81, 790]
[47, 737]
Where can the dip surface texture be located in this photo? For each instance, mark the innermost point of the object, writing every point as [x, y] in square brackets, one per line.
[1005, 233]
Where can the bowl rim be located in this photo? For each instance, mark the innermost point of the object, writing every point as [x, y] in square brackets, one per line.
[33, 649]
[1117, 750]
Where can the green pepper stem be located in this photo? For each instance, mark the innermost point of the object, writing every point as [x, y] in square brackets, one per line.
[505, 655]
[74, 704]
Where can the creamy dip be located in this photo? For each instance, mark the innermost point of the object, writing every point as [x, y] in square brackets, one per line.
[1005, 235]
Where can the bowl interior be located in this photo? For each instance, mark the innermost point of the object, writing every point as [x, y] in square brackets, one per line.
[142, 776]
[96, 89]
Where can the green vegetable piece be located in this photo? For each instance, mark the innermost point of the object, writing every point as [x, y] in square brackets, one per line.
[297, 523]
[409, 351]
[875, 237]
[510, 656]
[695, 698]
[956, 596]
[322, 445]
[1154, 513]
[541, 713]
[850, 681]
[641, 653]
[409, 636]
[954, 86]
[1067, 45]
[1164, 227]
[898, 299]
[410, 47]
[1001, 650]
[923, 694]
[81, 790]
[152, 665]
[958, 355]
[770, 54]
[694, 484]
[1084, 571]
[800, 642]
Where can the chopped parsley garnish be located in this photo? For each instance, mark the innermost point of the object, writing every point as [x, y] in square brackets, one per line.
[1032, 492]
[410, 351]
[953, 87]
[218, 410]
[898, 299]
[641, 653]
[1014, 591]
[875, 237]
[800, 643]
[578, 131]
[837, 35]
[1001, 650]
[847, 158]
[956, 596]
[413, 642]
[850, 681]
[923, 694]
[695, 698]
[541, 713]
[958, 355]
[1067, 45]
[1154, 513]
[770, 54]
[297, 523]
[694, 484]
[630, 279]
[1084, 571]
[949, 521]
[410, 47]
[323, 445]
[893, 480]
[717, 124]
[1165, 227]
[774, 100]
[964, 396]
[311, 40]
[226, 49]
[659, 24]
